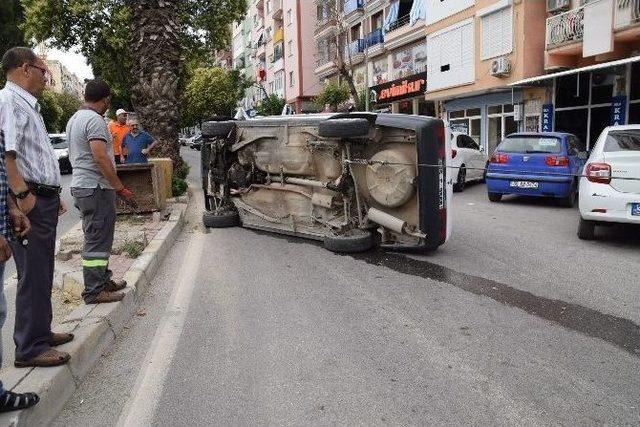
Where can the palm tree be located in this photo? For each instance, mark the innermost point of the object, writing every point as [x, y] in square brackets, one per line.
[157, 53]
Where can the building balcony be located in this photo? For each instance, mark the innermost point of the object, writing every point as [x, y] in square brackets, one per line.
[565, 28]
[325, 66]
[278, 36]
[277, 9]
[401, 33]
[352, 6]
[374, 42]
[354, 51]
[372, 5]
[626, 14]
[278, 64]
[324, 27]
[567, 32]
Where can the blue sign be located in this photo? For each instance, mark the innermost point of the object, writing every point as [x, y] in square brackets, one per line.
[547, 118]
[618, 110]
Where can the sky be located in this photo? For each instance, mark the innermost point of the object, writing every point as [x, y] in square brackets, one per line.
[75, 62]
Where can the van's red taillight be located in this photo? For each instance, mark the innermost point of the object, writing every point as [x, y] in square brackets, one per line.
[454, 153]
[598, 172]
[499, 158]
[556, 161]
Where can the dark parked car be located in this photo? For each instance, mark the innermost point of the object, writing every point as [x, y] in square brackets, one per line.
[350, 180]
[61, 147]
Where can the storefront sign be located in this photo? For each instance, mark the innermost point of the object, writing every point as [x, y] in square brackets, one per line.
[618, 110]
[408, 87]
[547, 118]
[460, 127]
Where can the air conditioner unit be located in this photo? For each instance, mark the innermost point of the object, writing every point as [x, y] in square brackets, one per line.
[556, 5]
[500, 66]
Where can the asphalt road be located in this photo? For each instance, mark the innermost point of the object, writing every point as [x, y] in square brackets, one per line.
[514, 322]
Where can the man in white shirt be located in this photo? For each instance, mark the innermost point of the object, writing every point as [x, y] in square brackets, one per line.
[34, 181]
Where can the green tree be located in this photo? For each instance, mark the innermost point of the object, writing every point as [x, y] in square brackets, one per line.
[333, 94]
[11, 34]
[140, 47]
[209, 92]
[51, 111]
[68, 104]
[271, 106]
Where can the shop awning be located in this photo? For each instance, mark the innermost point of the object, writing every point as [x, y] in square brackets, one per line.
[532, 80]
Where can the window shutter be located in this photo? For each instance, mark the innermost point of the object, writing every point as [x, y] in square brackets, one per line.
[497, 33]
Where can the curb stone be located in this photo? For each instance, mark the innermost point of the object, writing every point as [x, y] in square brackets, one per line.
[95, 328]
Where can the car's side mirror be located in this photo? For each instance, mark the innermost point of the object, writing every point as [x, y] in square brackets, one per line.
[583, 155]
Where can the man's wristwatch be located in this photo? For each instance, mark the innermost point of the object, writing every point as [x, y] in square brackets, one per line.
[23, 194]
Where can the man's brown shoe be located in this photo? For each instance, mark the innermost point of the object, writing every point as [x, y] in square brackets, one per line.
[104, 297]
[115, 285]
[59, 338]
[51, 357]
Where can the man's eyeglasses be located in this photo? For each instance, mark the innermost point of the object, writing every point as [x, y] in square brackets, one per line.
[44, 71]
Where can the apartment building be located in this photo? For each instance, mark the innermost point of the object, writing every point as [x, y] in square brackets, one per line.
[63, 80]
[592, 61]
[476, 49]
[268, 47]
[384, 44]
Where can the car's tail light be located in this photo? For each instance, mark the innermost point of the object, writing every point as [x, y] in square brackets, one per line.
[499, 158]
[556, 161]
[598, 172]
[454, 153]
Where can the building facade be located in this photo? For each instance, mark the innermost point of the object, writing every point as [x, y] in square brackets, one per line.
[592, 65]
[62, 80]
[268, 47]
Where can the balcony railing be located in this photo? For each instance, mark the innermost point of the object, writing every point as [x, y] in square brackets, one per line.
[400, 22]
[374, 37]
[278, 36]
[627, 12]
[565, 28]
[277, 9]
[324, 58]
[352, 5]
[354, 48]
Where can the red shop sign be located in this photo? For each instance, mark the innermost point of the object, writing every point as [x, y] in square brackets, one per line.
[406, 87]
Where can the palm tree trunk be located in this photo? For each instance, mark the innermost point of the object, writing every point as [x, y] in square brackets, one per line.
[157, 61]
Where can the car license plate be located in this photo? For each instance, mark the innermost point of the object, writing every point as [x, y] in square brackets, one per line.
[635, 209]
[524, 184]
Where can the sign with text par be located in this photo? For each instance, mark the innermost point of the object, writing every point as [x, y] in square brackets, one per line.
[547, 118]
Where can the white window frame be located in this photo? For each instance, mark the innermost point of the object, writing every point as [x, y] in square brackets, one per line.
[290, 47]
[291, 78]
[289, 17]
[502, 7]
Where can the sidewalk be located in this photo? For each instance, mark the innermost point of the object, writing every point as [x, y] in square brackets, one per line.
[95, 326]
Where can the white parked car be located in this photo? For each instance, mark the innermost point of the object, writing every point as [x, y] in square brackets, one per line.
[610, 189]
[468, 161]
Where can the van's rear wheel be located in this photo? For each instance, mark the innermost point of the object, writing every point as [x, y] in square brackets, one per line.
[586, 229]
[462, 178]
[352, 241]
[220, 218]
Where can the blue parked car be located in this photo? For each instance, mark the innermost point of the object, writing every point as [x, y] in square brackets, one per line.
[536, 164]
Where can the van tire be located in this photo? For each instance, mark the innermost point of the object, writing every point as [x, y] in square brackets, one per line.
[352, 241]
[586, 229]
[217, 129]
[220, 219]
[461, 181]
[343, 128]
